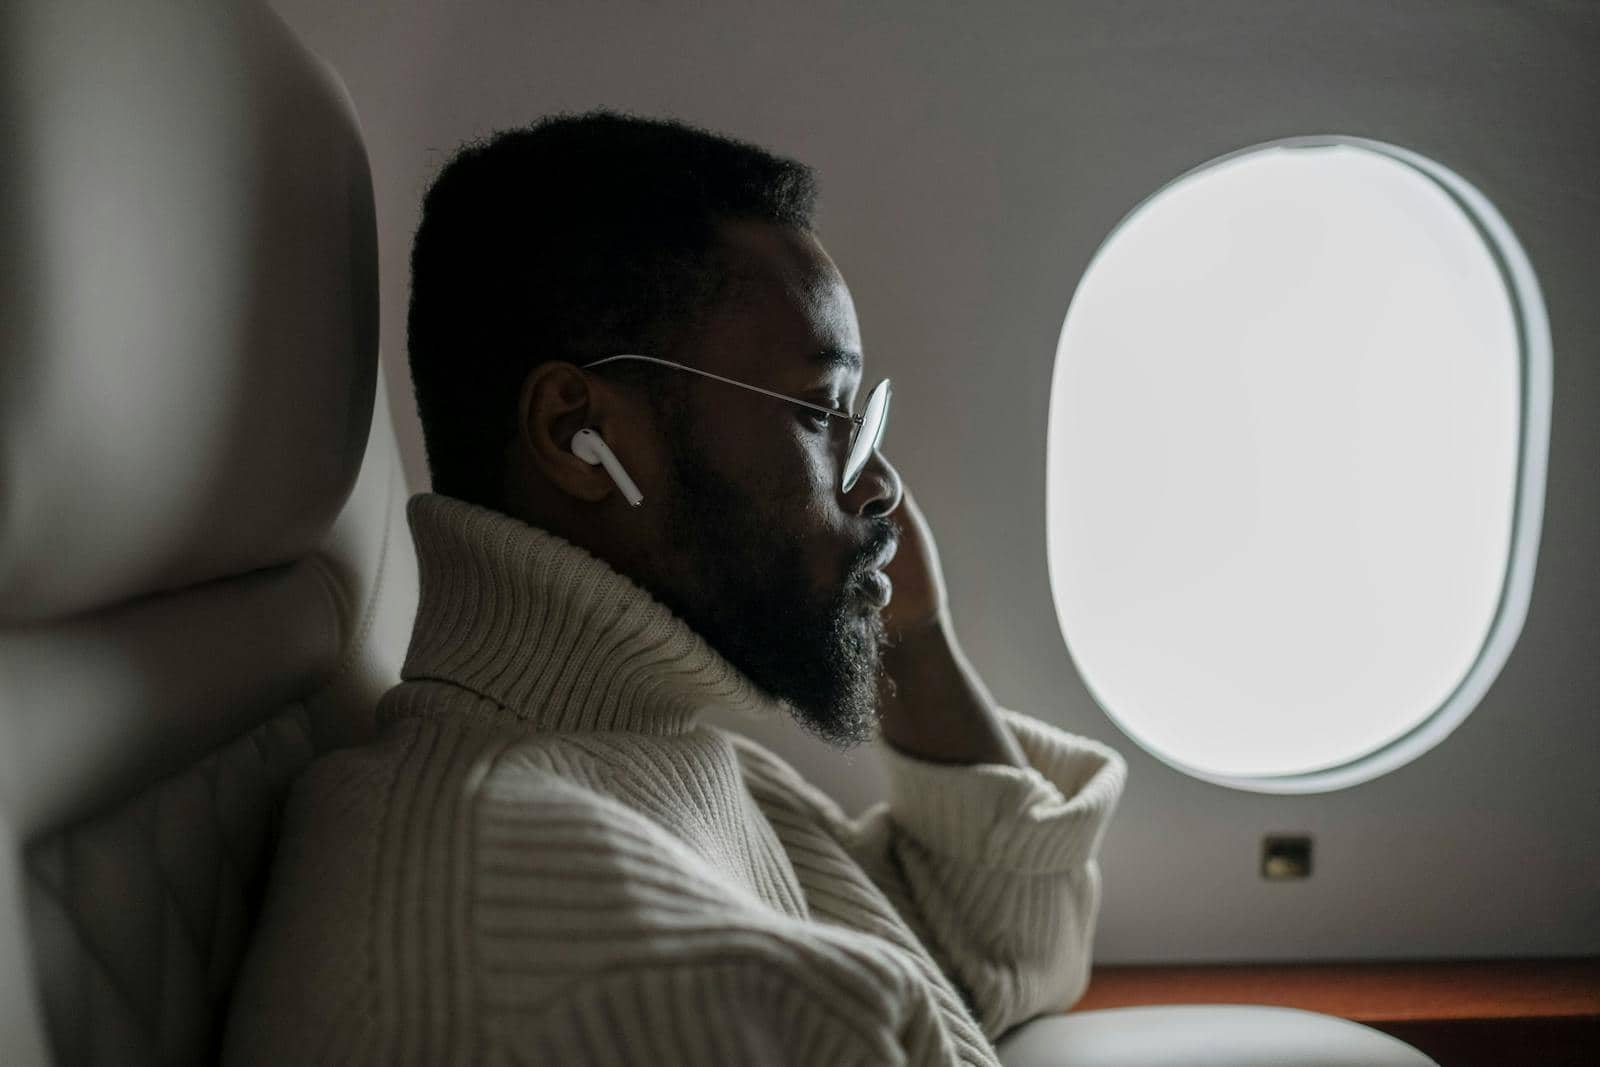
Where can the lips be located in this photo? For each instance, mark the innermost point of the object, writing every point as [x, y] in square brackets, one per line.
[874, 586]
[887, 554]
[876, 589]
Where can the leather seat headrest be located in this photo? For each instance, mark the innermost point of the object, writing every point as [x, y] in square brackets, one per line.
[169, 412]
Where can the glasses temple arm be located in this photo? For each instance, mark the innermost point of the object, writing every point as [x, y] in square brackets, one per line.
[730, 381]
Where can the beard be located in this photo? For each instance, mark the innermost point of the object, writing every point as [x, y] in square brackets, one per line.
[750, 598]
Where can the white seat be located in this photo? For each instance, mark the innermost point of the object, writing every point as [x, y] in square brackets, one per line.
[205, 572]
[1203, 1035]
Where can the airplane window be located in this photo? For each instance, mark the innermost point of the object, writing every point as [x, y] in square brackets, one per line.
[1296, 453]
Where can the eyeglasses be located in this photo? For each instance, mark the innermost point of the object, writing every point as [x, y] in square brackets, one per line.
[865, 434]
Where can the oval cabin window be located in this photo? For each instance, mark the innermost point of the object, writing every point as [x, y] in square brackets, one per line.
[1296, 460]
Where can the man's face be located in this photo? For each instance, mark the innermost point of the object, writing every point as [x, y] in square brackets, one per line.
[763, 552]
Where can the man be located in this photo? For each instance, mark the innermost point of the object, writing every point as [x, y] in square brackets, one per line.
[544, 858]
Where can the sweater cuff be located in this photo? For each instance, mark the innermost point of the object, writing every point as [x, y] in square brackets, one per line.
[1048, 816]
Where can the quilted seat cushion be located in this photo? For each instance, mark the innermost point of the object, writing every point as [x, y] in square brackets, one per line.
[144, 912]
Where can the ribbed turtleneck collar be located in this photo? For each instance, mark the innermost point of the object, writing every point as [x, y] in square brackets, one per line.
[552, 633]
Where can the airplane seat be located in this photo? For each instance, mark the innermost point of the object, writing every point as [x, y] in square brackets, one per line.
[1203, 1035]
[206, 575]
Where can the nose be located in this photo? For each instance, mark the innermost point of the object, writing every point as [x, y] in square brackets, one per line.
[877, 490]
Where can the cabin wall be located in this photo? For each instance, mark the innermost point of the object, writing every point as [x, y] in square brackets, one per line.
[972, 159]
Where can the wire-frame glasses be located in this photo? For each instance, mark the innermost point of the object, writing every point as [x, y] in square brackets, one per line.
[866, 431]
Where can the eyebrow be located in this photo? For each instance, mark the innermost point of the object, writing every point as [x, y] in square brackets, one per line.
[837, 358]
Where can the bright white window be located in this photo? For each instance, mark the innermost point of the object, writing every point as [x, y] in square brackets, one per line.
[1297, 437]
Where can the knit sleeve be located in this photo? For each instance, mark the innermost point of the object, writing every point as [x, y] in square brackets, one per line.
[995, 866]
[756, 1009]
[598, 938]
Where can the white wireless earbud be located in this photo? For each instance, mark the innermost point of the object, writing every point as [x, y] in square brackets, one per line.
[587, 446]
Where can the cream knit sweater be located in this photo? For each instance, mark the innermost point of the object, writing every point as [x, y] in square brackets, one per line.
[543, 859]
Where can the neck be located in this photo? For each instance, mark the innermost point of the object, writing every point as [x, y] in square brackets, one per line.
[551, 635]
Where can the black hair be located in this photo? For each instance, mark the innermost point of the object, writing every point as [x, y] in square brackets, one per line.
[575, 238]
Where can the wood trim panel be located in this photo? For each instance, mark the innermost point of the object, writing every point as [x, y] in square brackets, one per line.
[1464, 1013]
[1366, 992]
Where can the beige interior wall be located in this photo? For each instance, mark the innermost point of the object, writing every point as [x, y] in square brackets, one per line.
[972, 158]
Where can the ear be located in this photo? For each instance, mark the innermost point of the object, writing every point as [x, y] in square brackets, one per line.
[555, 402]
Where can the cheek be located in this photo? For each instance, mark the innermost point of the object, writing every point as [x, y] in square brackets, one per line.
[821, 466]
[798, 468]
[790, 469]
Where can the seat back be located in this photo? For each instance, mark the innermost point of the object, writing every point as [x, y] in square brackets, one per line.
[205, 572]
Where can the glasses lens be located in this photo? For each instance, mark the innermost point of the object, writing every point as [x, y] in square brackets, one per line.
[868, 433]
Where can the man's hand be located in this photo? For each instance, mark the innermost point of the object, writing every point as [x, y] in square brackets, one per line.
[934, 706]
[920, 599]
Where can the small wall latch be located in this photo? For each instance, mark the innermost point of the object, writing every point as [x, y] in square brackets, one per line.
[1284, 857]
